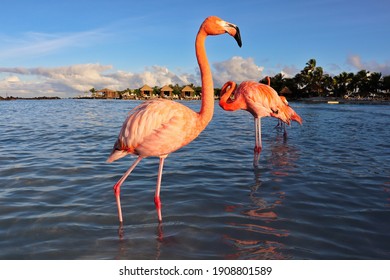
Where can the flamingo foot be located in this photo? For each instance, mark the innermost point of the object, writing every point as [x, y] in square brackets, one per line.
[121, 231]
[157, 202]
[160, 233]
[256, 157]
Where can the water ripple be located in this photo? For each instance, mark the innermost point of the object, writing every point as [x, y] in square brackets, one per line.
[320, 193]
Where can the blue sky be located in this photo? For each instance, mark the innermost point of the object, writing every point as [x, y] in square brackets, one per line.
[64, 48]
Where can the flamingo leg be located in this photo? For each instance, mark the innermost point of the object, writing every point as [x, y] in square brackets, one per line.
[285, 131]
[157, 200]
[117, 187]
[279, 124]
[258, 143]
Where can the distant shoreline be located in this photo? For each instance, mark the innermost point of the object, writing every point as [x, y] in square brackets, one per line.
[29, 98]
[316, 100]
[343, 101]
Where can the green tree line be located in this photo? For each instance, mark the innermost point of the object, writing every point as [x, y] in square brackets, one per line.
[311, 81]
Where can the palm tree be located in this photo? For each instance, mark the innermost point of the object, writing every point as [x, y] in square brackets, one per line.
[317, 79]
[327, 83]
[310, 65]
[156, 91]
[374, 82]
[93, 92]
[277, 82]
[292, 85]
[311, 79]
[176, 90]
[386, 84]
[360, 82]
[342, 84]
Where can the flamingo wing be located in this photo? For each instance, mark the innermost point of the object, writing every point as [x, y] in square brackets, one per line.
[269, 99]
[154, 128]
[258, 98]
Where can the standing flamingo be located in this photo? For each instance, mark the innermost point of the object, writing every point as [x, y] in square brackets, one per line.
[159, 127]
[290, 113]
[258, 99]
[280, 123]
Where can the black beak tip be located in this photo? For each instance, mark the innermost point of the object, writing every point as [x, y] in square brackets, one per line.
[238, 37]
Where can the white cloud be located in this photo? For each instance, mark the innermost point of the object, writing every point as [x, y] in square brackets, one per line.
[75, 79]
[372, 66]
[237, 69]
[59, 81]
[68, 81]
[154, 76]
[12, 80]
[355, 61]
[289, 71]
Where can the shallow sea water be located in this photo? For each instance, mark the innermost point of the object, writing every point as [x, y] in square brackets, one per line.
[321, 193]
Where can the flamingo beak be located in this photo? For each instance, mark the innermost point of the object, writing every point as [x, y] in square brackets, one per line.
[238, 36]
[234, 31]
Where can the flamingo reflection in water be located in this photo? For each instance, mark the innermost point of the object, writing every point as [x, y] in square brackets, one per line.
[263, 237]
[262, 240]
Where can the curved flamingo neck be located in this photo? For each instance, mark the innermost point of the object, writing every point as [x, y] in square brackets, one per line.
[225, 102]
[207, 108]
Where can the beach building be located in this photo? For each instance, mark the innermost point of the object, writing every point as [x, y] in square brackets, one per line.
[107, 93]
[187, 93]
[166, 92]
[146, 92]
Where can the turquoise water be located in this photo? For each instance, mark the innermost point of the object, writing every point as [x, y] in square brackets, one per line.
[321, 193]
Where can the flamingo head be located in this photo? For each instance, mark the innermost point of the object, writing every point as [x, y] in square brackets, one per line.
[213, 25]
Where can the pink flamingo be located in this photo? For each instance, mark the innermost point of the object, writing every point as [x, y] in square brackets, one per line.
[290, 113]
[288, 110]
[258, 99]
[159, 127]
[280, 123]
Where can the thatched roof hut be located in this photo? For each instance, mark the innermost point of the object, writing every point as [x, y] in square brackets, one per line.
[146, 91]
[166, 92]
[187, 92]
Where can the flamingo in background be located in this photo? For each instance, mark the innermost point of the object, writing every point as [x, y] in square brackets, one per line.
[258, 99]
[289, 111]
[159, 127]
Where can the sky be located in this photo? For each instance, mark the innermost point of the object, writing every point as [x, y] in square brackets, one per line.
[65, 48]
